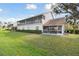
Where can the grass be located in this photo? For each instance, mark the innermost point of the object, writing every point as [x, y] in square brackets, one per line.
[26, 44]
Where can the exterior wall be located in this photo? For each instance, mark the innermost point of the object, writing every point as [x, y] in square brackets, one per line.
[30, 27]
[48, 16]
[15, 24]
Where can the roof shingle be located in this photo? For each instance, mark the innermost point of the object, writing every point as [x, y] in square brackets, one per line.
[58, 21]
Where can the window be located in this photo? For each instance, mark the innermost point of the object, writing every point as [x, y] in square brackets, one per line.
[37, 21]
[59, 27]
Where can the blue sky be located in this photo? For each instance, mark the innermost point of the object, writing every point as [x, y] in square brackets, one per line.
[18, 11]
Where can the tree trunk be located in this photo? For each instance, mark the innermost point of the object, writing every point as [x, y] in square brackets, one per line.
[74, 29]
[74, 26]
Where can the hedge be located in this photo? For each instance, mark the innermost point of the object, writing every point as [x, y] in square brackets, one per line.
[71, 31]
[30, 31]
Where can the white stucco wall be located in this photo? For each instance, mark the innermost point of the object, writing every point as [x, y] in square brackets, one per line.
[48, 16]
[29, 27]
[15, 24]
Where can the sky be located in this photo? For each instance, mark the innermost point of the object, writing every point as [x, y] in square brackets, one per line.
[18, 11]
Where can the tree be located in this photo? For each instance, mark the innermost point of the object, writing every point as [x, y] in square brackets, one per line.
[72, 10]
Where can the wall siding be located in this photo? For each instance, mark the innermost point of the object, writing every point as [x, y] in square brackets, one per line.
[30, 27]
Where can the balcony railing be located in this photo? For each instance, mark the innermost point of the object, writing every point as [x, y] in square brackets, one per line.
[29, 22]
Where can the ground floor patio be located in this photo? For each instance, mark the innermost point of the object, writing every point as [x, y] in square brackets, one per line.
[53, 30]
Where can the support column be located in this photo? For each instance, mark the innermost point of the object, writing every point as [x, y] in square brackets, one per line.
[62, 29]
[57, 30]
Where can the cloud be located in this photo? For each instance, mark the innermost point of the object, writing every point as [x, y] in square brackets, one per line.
[31, 6]
[11, 19]
[1, 10]
[31, 15]
[8, 19]
[48, 6]
[15, 19]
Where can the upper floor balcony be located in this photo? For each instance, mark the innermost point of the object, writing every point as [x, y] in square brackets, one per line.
[32, 20]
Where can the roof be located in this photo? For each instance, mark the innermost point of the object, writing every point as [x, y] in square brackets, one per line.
[33, 16]
[30, 18]
[58, 21]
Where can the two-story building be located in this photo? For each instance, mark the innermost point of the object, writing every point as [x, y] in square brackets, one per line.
[44, 22]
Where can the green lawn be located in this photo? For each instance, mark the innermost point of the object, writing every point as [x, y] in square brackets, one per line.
[25, 44]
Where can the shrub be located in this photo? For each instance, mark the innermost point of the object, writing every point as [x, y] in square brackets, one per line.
[30, 31]
[71, 31]
[12, 29]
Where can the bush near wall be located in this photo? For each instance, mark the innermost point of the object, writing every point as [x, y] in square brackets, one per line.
[71, 31]
[12, 29]
[30, 31]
